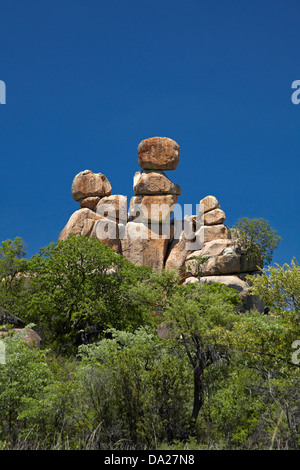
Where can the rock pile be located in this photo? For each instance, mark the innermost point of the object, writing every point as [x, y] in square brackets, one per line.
[102, 214]
[146, 234]
[223, 253]
[222, 257]
[88, 188]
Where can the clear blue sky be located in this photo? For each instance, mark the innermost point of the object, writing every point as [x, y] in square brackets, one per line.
[87, 80]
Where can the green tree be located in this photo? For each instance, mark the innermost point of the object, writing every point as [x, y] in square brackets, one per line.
[233, 407]
[51, 418]
[22, 377]
[12, 265]
[78, 288]
[257, 238]
[279, 288]
[195, 315]
[264, 343]
[138, 386]
[192, 314]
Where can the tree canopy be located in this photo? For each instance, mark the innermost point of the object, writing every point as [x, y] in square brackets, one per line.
[78, 288]
[258, 238]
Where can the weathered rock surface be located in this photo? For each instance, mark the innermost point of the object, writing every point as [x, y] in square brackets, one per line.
[191, 280]
[143, 246]
[108, 233]
[182, 244]
[249, 264]
[89, 202]
[209, 203]
[89, 184]
[224, 256]
[114, 207]
[81, 222]
[153, 182]
[232, 281]
[158, 153]
[207, 233]
[156, 209]
[215, 248]
[223, 264]
[214, 217]
[177, 253]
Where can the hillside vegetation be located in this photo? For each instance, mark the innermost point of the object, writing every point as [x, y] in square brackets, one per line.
[131, 358]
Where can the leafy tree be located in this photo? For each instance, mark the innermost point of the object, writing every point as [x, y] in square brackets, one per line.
[195, 315]
[152, 294]
[219, 378]
[49, 418]
[191, 314]
[78, 288]
[257, 238]
[264, 343]
[22, 377]
[279, 288]
[12, 265]
[137, 386]
[233, 407]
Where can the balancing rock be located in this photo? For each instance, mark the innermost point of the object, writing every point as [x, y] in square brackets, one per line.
[148, 182]
[88, 184]
[158, 153]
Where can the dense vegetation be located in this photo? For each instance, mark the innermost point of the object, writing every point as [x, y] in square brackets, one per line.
[107, 378]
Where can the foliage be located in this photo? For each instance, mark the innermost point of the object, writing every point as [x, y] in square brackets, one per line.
[258, 239]
[78, 288]
[137, 360]
[145, 381]
[195, 313]
[22, 377]
[12, 265]
[279, 288]
[264, 343]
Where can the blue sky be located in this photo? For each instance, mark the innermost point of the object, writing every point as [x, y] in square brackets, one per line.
[87, 80]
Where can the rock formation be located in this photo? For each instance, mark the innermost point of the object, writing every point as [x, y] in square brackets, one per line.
[145, 232]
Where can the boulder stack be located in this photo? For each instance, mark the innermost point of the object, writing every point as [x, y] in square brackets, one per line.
[199, 247]
[101, 213]
[88, 188]
[196, 231]
[149, 230]
[155, 193]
